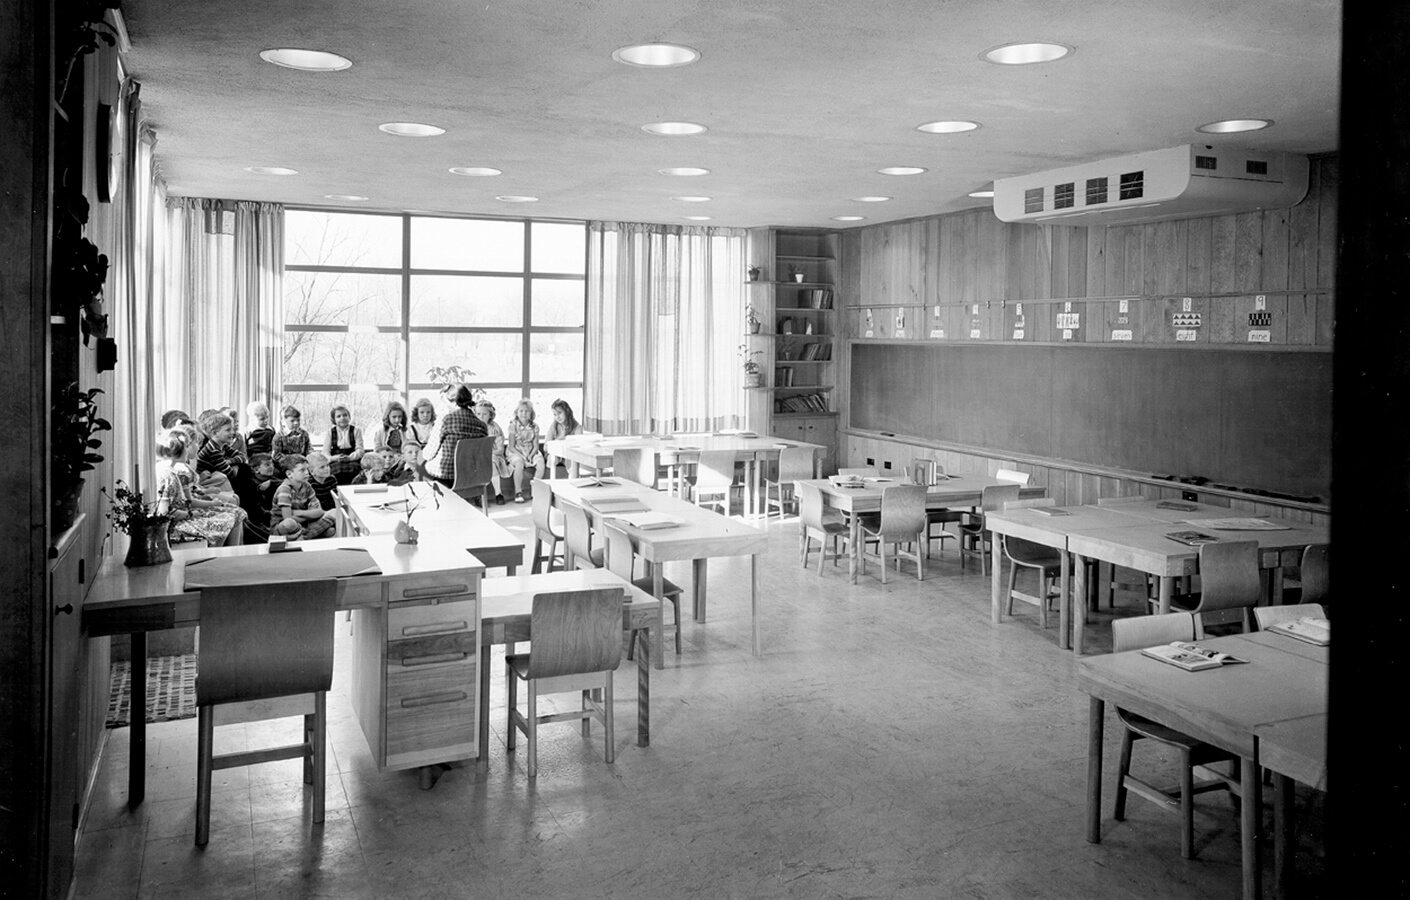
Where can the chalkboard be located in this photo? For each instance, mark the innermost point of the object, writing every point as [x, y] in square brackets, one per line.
[1248, 419]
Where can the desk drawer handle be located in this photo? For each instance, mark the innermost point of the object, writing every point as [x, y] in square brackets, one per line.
[433, 659]
[435, 628]
[438, 590]
[433, 699]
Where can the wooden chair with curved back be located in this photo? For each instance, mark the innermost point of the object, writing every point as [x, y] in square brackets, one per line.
[266, 653]
[1315, 573]
[543, 527]
[1265, 616]
[975, 537]
[621, 561]
[794, 464]
[1228, 574]
[714, 477]
[577, 536]
[1149, 631]
[1046, 561]
[636, 464]
[816, 521]
[474, 469]
[902, 521]
[577, 644]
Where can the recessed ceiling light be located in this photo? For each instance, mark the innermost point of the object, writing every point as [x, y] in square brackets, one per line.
[352, 198]
[870, 199]
[848, 218]
[516, 198]
[901, 170]
[953, 126]
[1025, 53]
[698, 218]
[656, 56]
[271, 170]
[684, 170]
[475, 171]
[306, 60]
[1233, 126]
[691, 199]
[411, 129]
[982, 195]
[673, 128]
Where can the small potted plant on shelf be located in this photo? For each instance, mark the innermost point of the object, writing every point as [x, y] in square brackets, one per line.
[753, 273]
[138, 519]
[72, 444]
[751, 318]
[796, 273]
[753, 375]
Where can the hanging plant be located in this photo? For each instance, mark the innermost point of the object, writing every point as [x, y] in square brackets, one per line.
[79, 268]
[80, 29]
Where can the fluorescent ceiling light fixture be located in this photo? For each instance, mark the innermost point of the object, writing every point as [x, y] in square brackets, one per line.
[870, 199]
[1233, 126]
[656, 56]
[982, 195]
[1026, 53]
[684, 170]
[411, 129]
[698, 218]
[691, 199]
[475, 171]
[271, 170]
[952, 126]
[672, 129]
[901, 170]
[306, 60]
[848, 218]
[348, 197]
[516, 198]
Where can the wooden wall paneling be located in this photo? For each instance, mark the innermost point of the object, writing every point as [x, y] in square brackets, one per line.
[1302, 263]
[1222, 277]
[1199, 266]
[930, 258]
[1330, 183]
[875, 258]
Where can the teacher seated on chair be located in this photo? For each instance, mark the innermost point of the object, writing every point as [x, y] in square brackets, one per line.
[460, 422]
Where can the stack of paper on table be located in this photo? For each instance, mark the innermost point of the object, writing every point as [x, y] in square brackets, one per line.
[649, 521]
[1311, 629]
[1241, 524]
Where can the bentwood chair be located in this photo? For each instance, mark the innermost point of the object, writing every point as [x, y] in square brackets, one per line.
[1149, 631]
[621, 561]
[1228, 575]
[1046, 561]
[714, 477]
[975, 537]
[794, 464]
[474, 469]
[902, 521]
[1314, 573]
[1020, 478]
[816, 521]
[635, 464]
[543, 527]
[577, 535]
[266, 653]
[577, 644]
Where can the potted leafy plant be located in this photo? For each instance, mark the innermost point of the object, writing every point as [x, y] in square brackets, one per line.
[133, 516]
[751, 318]
[74, 423]
[79, 269]
[753, 273]
[752, 373]
[796, 273]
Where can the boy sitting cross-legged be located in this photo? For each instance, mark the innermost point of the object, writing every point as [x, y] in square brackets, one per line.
[297, 513]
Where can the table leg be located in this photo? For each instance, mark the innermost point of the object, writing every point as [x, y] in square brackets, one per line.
[754, 603]
[658, 591]
[996, 611]
[1167, 588]
[1251, 810]
[698, 607]
[853, 545]
[482, 759]
[137, 723]
[643, 686]
[1096, 716]
[1067, 623]
[1283, 832]
[758, 466]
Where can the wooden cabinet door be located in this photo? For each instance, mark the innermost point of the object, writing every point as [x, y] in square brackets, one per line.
[64, 689]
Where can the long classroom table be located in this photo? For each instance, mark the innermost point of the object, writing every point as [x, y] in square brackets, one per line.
[955, 491]
[701, 535]
[373, 510]
[1225, 707]
[676, 450]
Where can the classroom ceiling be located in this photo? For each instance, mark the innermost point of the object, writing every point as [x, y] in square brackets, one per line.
[803, 101]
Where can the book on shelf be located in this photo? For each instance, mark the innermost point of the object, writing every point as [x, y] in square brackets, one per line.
[1191, 538]
[1312, 629]
[1190, 657]
[815, 298]
[783, 376]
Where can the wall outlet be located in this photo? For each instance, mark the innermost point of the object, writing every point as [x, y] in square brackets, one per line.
[871, 462]
[1190, 496]
[886, 464]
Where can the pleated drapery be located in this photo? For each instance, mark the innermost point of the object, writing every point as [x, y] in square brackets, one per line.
[664, 320]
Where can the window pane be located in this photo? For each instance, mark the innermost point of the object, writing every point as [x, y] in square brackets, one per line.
[312, 357]
[543, 402]
[482, 245]
[341, 298]
[341, 239]
[366, 408]
[559, 303]
[492, 357]
[556, 357]
[559, 247]
[467, 301]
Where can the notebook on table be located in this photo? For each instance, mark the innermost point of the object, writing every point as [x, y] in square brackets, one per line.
[1312, 629]
[650, 521]
[592, 481]
[1190, 657]
[1192, 538]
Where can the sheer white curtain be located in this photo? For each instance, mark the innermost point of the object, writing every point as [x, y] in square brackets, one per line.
[664, 321]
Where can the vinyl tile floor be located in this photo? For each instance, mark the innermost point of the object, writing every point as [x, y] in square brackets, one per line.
[889, 743]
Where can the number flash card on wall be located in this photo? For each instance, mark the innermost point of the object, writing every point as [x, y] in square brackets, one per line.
[1186, 304]
[1260, 301]
[1186, 334]
[1185, 320]
[1018, 334]
[870, 325]
[901, 324]
[1068, 320]
[1123, 307]
[1121, 335]
[1260, 336]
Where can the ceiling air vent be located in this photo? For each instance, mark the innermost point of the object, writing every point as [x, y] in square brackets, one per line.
[1174, 183]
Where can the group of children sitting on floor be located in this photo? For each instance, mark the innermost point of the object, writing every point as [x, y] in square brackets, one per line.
[224, 486]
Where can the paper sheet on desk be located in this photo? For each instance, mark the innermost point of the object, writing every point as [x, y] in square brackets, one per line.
[1240, 524]
[649, 521]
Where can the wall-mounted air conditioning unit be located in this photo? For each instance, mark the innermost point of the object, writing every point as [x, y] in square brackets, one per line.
[1176, 183]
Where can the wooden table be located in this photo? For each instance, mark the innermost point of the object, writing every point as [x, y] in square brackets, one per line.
[701, 535]
[958, 490]
[1225, 707]
[443, 514]
[680, 449]
[138, 600]
[506, 609]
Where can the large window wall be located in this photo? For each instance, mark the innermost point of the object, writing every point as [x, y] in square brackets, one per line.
[374, 301]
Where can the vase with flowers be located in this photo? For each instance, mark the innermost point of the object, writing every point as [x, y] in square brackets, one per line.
[131, 514]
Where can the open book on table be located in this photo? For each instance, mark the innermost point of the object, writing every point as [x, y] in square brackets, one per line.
[1191, 538]
[650, 521]
[1311, 629]
[617, 504]
[591, 481]
[1190, 657]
